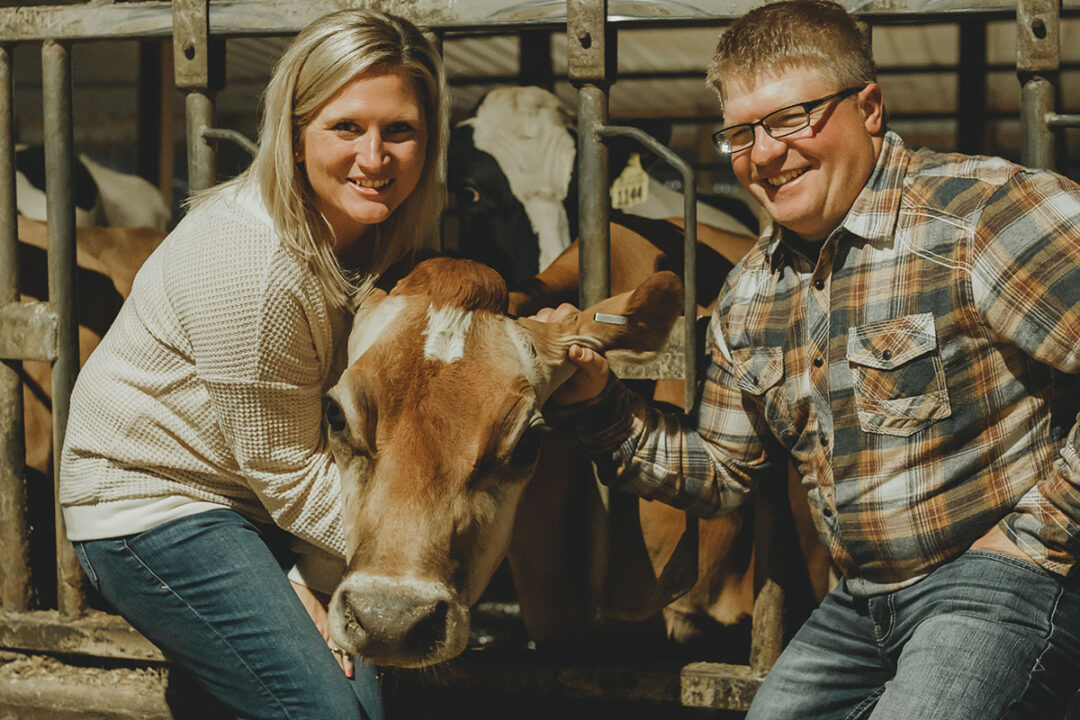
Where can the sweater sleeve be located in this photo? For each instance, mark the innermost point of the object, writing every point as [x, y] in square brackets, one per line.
[262, 346]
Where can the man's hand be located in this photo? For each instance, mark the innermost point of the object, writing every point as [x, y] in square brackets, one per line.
[316, 605]
[998, 541]
[592, 372]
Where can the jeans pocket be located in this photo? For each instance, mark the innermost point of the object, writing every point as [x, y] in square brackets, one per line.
[1027, 565]
[84, 561]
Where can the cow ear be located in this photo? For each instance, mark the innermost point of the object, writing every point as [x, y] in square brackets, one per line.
[649, 313]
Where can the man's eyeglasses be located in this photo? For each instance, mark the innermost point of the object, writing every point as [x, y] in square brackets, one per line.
[781, 123]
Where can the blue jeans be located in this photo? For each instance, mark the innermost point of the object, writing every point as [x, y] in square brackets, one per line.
[208, 590]
[985, 636]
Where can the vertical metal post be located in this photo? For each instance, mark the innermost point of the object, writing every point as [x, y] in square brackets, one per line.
[767, 631]
[201, 158]
[59, 191]
[534, 66]
[587, 63]
[971, 88]
[1037, 64]
[14, 529]
[191, 58]
[586, 22]
[593, 207]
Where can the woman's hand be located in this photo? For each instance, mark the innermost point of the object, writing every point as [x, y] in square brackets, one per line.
[316, 605]
[592, 372]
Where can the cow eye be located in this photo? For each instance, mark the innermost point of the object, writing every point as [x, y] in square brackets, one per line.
[335, 416]
[528, 447]
[470, 195]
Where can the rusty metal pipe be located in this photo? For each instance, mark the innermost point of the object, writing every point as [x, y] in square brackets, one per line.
[14, 528]
[59, 191]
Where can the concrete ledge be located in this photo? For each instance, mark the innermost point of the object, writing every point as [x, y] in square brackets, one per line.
[36, 687]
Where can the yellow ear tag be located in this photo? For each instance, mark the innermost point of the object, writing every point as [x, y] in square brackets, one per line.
[632, 186]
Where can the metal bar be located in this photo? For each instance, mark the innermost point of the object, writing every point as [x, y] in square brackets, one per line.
[234, 136]
[767, 632]
[59, 188]
[971, 88]
[593, 201]
[15, 589]
[534, 63]
[1037, 146]
[148, 139]
[586, 31]
[27, 332]
[1055, 120]
[95, 21]
[1038, 59]
[201, 155]
[690, 349]
[191, 60]
[98, 21]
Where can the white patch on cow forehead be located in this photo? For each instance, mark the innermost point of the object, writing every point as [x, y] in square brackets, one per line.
[368, 325]
[446, 332]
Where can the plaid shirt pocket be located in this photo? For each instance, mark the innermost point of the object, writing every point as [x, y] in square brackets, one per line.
[759, 371]
[897, 374]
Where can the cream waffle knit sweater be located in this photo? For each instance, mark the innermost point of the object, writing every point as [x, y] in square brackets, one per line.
[207, 390]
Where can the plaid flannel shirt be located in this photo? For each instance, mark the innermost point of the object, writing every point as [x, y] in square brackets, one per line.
[914, 374]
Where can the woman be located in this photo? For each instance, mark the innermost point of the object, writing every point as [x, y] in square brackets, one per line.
[195, 435]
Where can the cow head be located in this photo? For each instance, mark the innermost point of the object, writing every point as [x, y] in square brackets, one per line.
[435, 427]
[511, 168]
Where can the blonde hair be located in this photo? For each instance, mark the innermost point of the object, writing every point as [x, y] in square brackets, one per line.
[781, 35]
[324, 57]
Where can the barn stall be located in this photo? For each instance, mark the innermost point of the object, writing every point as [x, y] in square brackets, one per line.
[988, 77]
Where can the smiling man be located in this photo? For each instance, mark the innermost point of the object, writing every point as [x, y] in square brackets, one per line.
[906, 330]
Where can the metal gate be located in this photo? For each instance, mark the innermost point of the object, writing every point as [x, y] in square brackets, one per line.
[48, 331]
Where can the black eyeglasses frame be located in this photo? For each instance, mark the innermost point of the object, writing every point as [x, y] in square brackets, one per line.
[807, 107]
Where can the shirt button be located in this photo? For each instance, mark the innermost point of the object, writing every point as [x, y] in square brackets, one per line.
[886, 355]
[819, 284]
[818, 361]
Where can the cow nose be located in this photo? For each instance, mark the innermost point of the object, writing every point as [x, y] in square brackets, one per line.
[399, 622]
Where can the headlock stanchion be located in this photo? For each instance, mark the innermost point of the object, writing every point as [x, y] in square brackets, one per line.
[47, 331]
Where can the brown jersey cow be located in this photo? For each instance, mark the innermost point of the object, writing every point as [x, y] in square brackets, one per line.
[436, 429]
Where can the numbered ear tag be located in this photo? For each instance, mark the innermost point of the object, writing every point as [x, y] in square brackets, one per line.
[632, 186]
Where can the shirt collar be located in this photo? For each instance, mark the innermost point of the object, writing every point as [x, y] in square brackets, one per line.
[873, 214]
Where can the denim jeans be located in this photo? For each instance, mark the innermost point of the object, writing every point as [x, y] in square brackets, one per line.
[208, 590]
[985, 636]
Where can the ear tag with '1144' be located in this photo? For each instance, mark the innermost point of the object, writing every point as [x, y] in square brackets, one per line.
[632, 186]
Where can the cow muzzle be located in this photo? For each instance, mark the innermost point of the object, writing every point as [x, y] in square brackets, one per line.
[398, 621]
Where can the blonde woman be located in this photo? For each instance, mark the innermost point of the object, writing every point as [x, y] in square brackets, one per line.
[195, 470]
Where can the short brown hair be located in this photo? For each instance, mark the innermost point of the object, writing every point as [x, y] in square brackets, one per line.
[781, 35]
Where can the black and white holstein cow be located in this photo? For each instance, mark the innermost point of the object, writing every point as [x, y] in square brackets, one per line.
[436, 429]
[103, 197]
[511, 167]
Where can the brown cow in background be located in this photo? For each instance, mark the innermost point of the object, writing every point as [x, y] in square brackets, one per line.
[548, 556]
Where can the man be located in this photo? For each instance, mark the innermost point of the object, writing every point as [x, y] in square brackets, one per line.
[901, 331]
